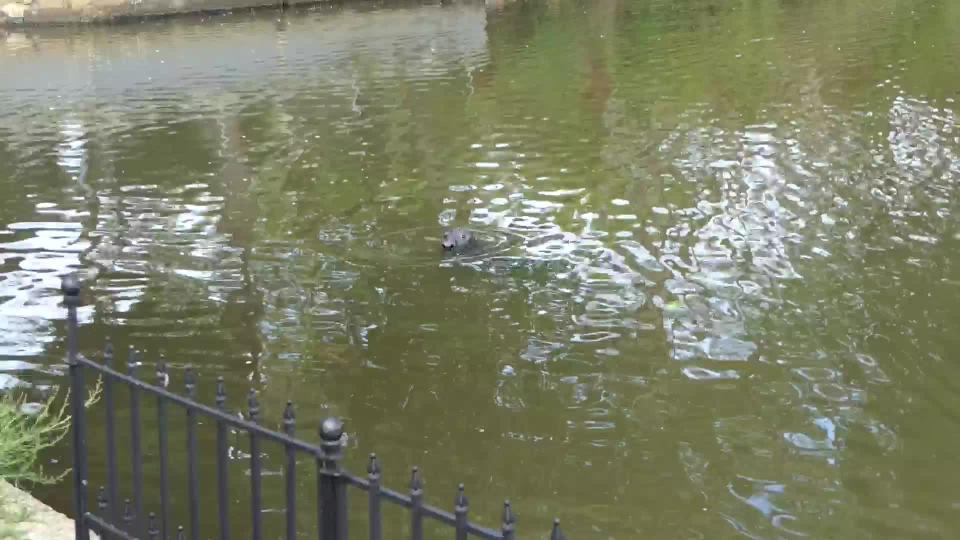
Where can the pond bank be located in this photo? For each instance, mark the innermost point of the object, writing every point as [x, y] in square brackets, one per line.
[24, 517]
[58, 12]
[52, 12]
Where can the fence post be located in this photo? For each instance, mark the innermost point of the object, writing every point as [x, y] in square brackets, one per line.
[332, 487]
[70, 287]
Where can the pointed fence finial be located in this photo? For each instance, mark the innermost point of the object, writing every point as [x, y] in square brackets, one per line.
[108, 353]
[102, 498]
[461, 504]
[221, 393]
[180, 534]
[289, 419]
[162, 373]
[253, 405]
[373, 467]
[416, 483]
[133, 360]
[152, 530]
[190, 382]
[509, 521]
[127, 512]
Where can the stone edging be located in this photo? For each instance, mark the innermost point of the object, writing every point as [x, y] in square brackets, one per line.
[46, 12]
[40, 522]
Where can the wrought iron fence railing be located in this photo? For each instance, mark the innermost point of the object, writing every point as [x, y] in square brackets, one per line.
[128, 521]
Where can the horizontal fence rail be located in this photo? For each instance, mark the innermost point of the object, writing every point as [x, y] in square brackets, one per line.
[113, 520]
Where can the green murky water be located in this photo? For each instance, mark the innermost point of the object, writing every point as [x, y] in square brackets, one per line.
[720, 291]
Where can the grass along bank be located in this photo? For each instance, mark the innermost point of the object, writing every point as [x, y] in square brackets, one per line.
[26, 430]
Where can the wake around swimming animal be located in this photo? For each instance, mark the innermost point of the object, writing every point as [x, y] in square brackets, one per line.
[458, 240]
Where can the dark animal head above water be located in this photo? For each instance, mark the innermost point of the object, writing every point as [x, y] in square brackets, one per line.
[456, 239]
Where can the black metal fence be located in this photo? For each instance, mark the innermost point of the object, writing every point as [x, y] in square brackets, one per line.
[128, 521]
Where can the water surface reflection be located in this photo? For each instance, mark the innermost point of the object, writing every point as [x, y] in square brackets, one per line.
[719, 277]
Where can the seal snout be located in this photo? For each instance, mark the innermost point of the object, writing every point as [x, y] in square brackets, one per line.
[456, 239]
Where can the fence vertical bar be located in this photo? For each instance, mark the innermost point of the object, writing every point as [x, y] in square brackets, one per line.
[162, 450]
[289, 427]
[254, 411]
[127, 516]
[373, 494]
[152, 530]
[416, 505]
[222, 462]
[70, 287]
[113, 496]
[193, 487]
[323, 532]
[509, 522]
[340, 492]
[460, 509]
[102, 511]
[135, 451]
[332, 511]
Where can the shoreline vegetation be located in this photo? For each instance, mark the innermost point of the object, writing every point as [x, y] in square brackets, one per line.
[26, 431]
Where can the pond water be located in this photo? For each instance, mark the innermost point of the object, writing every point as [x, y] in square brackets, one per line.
[718, 286]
